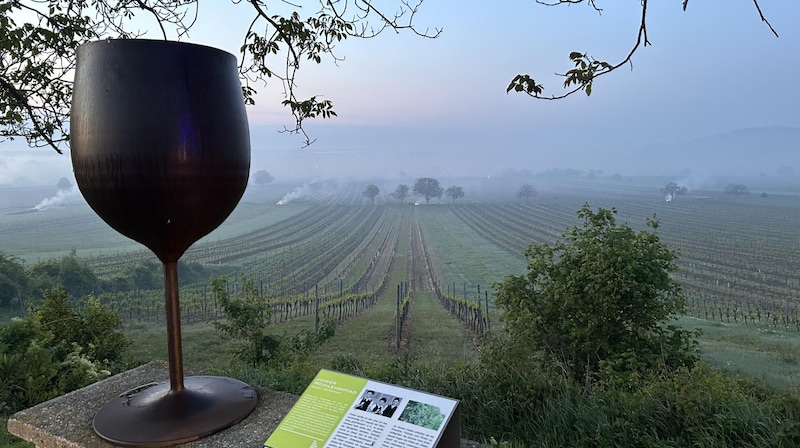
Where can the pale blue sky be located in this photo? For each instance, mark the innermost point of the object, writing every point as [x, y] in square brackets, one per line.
[410, 104]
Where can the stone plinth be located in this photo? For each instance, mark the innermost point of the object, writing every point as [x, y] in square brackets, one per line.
[66, 421]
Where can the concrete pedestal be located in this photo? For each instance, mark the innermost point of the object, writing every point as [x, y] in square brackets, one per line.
[66, 421]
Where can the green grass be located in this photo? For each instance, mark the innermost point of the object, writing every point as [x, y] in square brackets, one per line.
[370, 335]
[436, 335]
[769, 355]
[204, 348]
[461, 255]
[53, 233]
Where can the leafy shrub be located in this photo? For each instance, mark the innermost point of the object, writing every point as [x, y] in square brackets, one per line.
[594, 304]
[148, 275]
[96, 331]
[70, 273]
[56, 350]
[247, 319]
[13, 281]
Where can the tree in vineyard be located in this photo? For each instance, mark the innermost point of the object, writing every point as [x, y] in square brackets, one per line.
[262, 177]
[64, 184]
[736, 189]
[454, 192]
[671, 190]
[370, 192]
[596, 303]
[400, 193]
[428, 188]
[526, 192]
[247, 319]
[70, 272]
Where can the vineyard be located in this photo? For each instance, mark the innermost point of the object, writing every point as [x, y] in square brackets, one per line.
[738, 260]
[332, 255]
[328, 260]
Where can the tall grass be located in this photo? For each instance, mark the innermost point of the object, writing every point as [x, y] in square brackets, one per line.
[765, 354]
[697, 407]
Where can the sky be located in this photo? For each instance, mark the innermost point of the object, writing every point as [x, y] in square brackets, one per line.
[438, 107]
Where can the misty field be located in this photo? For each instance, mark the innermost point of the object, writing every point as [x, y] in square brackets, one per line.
[327, 250]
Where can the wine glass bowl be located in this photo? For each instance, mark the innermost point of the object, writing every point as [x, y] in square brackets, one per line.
[159, 139]
[160, 148]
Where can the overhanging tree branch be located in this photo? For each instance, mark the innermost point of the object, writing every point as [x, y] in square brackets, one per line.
[36, 56]
[586, 68]
[764, 19]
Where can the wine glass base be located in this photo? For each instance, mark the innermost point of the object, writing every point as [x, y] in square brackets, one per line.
[154, 416]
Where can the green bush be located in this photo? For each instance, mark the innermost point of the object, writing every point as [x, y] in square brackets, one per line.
[594, 305]
[56, 350]
[247, 320]
[96, 331]
[70, 273]
[13, 281]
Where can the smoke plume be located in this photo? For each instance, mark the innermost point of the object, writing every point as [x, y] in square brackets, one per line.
[62, 197]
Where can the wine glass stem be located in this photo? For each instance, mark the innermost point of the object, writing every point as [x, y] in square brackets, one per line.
[172, 310]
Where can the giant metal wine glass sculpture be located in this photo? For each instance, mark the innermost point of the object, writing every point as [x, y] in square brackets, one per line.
[161, 151]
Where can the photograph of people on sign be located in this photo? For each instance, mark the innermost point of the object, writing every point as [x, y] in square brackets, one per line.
[366, 401]
[382, 404]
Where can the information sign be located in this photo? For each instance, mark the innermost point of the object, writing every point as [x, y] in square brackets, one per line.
[345, 411]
